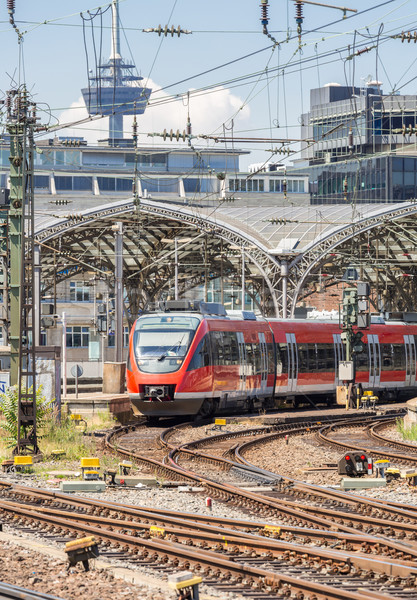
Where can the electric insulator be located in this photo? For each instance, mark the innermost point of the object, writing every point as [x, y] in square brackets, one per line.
[299, 11]
[264, 10]
[188, 126]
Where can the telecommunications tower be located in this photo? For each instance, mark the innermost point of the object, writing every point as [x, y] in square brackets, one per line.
[115, 90]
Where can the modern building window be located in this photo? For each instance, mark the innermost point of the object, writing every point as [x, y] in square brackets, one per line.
[78, 337]
[123, 185]
[275, 185]
[63, 183]
[106, 184]
[42, 182]
[83, 184]
[79, 292]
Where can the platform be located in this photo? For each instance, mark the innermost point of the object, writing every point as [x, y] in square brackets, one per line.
[90, 404]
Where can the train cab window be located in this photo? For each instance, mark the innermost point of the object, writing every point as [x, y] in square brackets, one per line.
[161, 342]
[201, 356]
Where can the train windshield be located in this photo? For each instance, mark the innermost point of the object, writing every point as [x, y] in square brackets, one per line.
[161, 342]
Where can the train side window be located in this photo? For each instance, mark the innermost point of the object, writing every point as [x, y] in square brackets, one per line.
[387, 357]
[216, 338]
[250, 358]
[271, 358]
[231, 349]
[303, 358]
[257, 359]
[362, 361]
[282, 358]
[325, 358]
[201, 356]
[399, 357]
[329, 350]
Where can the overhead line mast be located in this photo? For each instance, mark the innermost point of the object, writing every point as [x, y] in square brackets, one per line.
[21, 122]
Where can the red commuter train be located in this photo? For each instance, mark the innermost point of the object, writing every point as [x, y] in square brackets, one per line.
[188, 358]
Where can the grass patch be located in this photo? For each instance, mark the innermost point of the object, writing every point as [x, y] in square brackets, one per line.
[407, 433]
[64, 435]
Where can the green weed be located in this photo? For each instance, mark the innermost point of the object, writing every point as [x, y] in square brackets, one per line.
[409, 433]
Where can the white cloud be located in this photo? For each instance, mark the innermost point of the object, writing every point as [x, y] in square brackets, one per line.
[207, 112]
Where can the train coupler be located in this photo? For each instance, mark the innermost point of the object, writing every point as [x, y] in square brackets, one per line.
[81, 550]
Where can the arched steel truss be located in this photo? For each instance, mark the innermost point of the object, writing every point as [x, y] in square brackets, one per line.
[327, 248]
[253, 249]
[323, 249]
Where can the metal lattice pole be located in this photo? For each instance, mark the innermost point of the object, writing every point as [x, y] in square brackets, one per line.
[21, 119]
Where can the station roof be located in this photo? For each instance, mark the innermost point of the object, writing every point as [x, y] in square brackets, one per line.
[211, 238]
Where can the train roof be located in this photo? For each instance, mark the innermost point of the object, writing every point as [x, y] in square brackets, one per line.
[206, 309]
[217, 310]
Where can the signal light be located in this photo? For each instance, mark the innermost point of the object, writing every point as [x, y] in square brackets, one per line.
[347, 457]
[363, 457]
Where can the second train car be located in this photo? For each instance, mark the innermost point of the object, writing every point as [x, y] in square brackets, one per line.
[188, 358]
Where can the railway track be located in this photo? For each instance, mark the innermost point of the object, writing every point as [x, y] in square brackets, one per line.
[310, 543]
[237, 562]
[339, 436]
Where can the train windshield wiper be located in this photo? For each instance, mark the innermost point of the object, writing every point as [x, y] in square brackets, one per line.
[173, 347]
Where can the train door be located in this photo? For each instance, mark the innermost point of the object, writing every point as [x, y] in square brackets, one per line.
[374, 361]
[339, 356]
[292, 361]
[410, 360]
[264, 361]
[242, 362]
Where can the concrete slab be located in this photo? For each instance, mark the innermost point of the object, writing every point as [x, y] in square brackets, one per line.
[358, 483]
[82, 486]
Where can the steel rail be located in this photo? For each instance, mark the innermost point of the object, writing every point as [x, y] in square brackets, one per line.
[323, 435]
[306, 489]
[222, 567]
[9, 591]
[307, 516]
[204, 523]
[390, 508]
[246, 543]
[389, 441]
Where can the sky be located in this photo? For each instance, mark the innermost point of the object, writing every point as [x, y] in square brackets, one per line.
[239, 83]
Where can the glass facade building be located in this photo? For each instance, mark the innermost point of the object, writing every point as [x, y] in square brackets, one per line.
[359, 147]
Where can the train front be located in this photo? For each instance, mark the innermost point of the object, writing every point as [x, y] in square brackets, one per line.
[159, 352]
